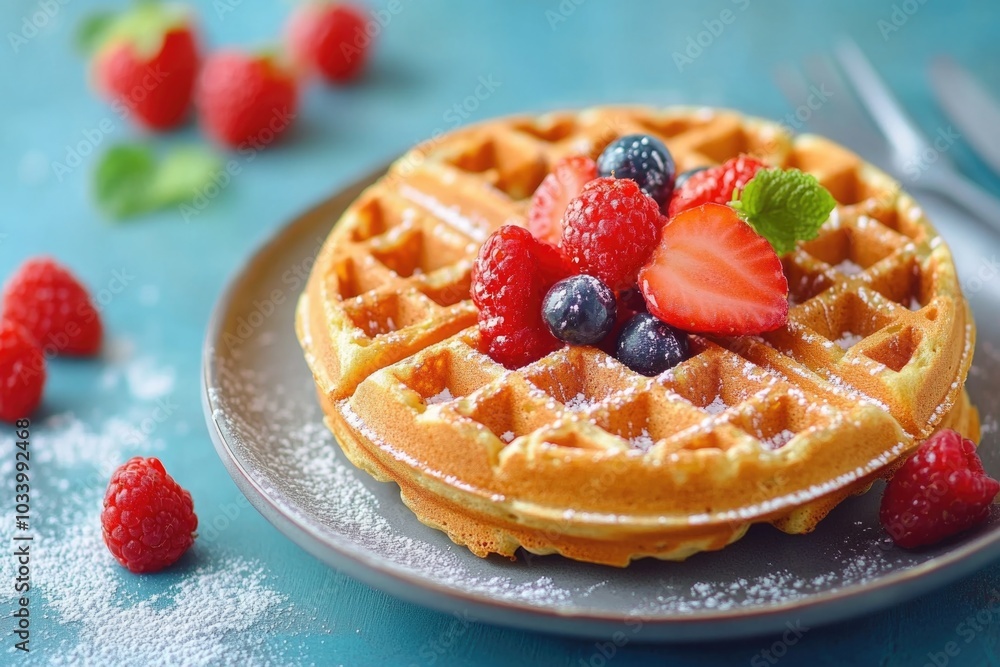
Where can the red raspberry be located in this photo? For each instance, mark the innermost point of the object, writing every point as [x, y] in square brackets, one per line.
[939, 491]
[511, 275]
[148, 519]
[567, 179]
[48, 301]
[330, 38]
[610, 230]
[715, 185]
[22, 372]
[245, 100]
[154, 83]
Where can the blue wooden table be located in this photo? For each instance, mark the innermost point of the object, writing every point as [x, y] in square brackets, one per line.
[260, 598]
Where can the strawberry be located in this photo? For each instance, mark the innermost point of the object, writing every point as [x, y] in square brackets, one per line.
[712, 273]
[566, 181]
[245, 99]
[715, 185]
[53, 307]
[146, 64]
[329, 38]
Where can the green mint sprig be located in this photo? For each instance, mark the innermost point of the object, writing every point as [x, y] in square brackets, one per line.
[784, 206]
[130, 180]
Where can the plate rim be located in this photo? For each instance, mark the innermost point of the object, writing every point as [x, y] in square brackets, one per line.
[821, 608]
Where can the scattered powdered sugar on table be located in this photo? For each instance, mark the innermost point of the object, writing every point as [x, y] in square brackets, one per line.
[216, 610]
[146, 379]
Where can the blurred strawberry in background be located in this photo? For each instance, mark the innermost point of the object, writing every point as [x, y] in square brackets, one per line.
[329, 38]
[145, 62]
[245, 99]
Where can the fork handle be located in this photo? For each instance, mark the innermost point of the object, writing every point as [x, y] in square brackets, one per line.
[965, 194]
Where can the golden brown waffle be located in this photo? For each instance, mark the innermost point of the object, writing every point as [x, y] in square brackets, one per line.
[576, 454]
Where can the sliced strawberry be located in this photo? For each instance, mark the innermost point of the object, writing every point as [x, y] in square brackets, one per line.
[549, 202]
[712, 273]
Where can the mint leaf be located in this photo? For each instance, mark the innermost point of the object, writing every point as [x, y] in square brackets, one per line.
[784, 206]
[182, 175]
[122, 180]
[129, 181]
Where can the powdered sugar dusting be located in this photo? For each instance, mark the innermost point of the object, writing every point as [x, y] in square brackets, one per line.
[849, 339]
[642, 441]
[442, 396]
[327, 483]
[716, 406]
[848, 268]
[216, 610]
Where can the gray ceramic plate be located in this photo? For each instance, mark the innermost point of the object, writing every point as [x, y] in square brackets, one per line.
[266, 424]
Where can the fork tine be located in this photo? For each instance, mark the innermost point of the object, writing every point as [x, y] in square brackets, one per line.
[843, 106]
[795, 87]
[880, 102]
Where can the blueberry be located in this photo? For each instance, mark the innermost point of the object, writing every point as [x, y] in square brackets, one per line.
[650, 346]
[684, 175]
[645, 160]
[579, 310]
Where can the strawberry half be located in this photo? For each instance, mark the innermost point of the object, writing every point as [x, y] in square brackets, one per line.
[712, 273]
[553, 195]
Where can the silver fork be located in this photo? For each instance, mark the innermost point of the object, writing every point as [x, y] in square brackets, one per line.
[893, 141]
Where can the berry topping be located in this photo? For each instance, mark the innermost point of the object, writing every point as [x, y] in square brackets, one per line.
[685, 175]
[610, 229]
[148, 519]
[939, 491]
[22, 372]
[329, 38]
[712, 273]
[147, 60]
[510, 277]
[554, 193]
[579, 310]
[649, 346]
[714, 185]
[645, 160]
[52, 305]
[245, 100]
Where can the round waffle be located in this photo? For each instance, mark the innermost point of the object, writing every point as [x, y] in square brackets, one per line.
[576, 454]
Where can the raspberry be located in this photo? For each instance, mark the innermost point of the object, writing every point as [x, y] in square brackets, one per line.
[331, 38]
[939, 491]
[22, 372]
[48, 301]
[511, 275]
[715, 185]
[610, 230]
[148, 519]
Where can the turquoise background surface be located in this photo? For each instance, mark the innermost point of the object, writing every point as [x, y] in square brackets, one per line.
[431, 56]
